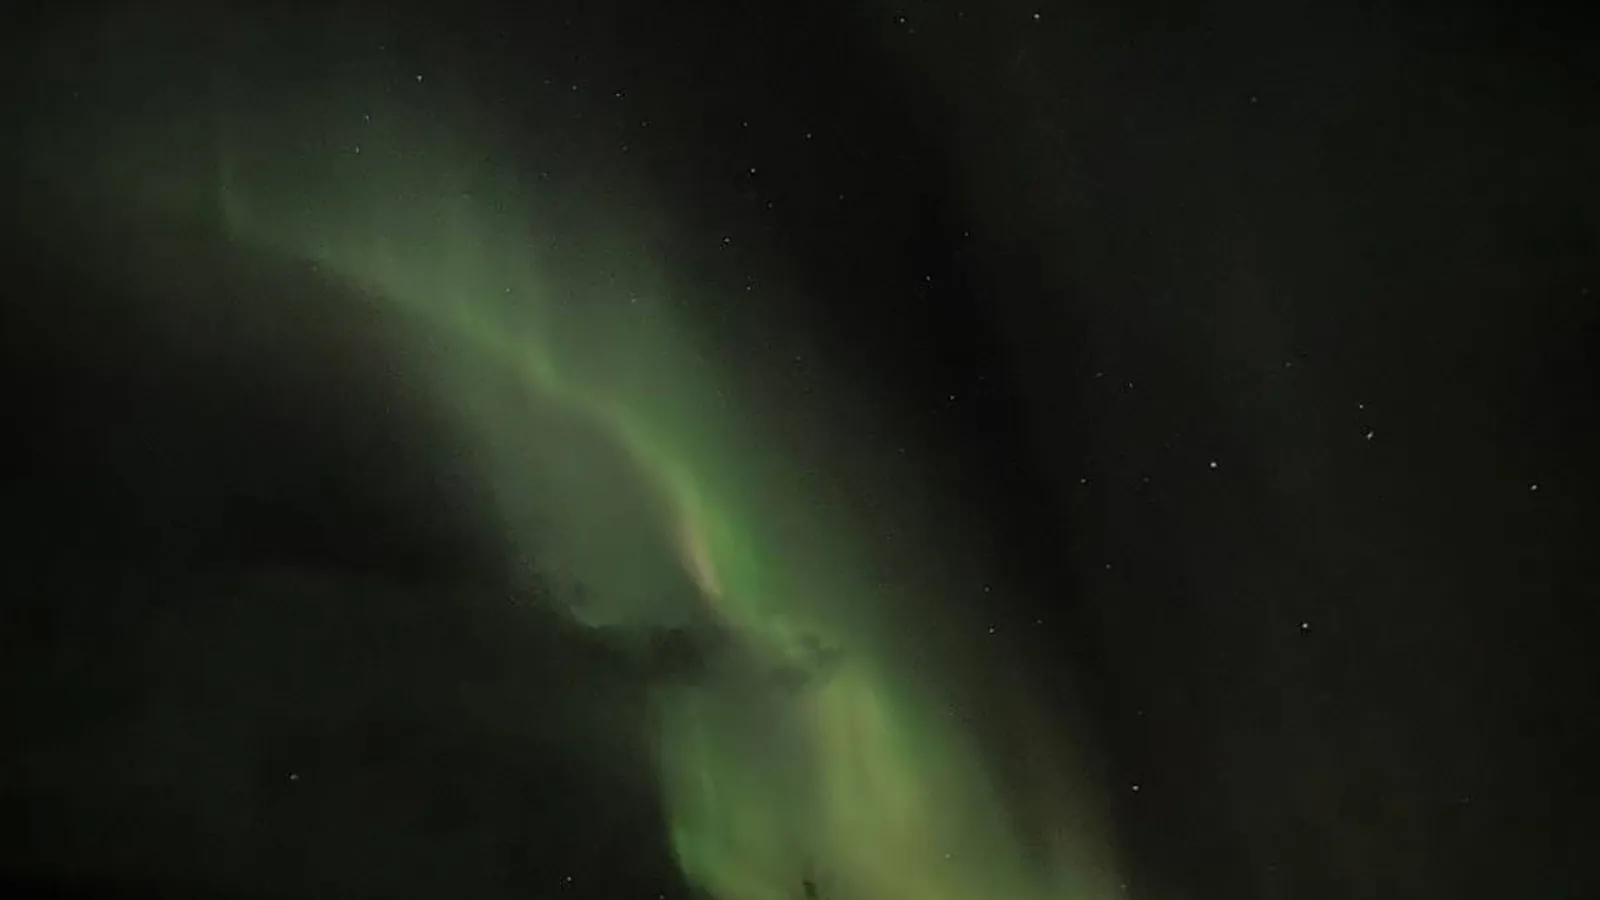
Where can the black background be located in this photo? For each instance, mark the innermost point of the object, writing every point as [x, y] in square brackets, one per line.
[1345, 252]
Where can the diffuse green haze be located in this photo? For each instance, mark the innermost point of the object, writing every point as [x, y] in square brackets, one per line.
[580, 388]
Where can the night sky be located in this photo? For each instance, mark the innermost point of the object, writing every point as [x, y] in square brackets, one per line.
[781, 451]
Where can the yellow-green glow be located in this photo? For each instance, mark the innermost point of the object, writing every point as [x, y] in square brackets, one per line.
[863, 779]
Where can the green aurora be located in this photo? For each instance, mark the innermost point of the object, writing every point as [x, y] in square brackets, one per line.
[862, 779]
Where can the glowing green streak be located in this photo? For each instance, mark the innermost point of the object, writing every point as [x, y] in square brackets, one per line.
[859, 779]
[863, 779]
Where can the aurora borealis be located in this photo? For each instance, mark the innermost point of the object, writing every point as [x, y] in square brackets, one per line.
[620, 466]
[860, 774]
[607, 450]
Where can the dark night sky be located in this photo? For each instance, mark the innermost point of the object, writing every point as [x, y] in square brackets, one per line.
[1252, 345]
